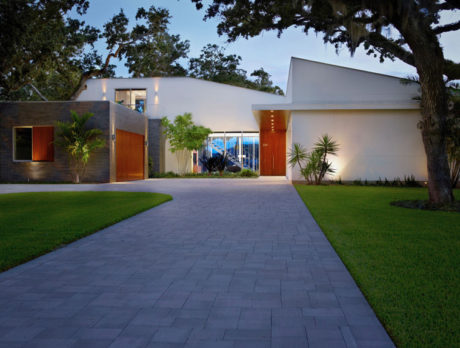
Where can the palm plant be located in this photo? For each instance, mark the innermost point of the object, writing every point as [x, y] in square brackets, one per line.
[314, 166]
[297, 155]
[79, 142]
[325, 146]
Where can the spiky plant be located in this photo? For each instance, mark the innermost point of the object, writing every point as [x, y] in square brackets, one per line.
[297, 156]
[325, 146]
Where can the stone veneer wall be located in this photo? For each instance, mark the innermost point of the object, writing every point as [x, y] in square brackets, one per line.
[13, 114]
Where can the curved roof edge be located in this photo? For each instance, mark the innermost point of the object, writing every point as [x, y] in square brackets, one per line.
[188, 78]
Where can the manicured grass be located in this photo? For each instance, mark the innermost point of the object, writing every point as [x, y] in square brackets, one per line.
[32, 224]
[405, 261]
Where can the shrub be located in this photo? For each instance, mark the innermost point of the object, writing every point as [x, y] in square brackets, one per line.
[409, 181]
[247, 173]
[215, 163]
[170, 174]
[314, 166]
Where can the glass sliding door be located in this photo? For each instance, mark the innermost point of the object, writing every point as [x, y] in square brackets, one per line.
[250, 151]
[232, 148]
[241, 148]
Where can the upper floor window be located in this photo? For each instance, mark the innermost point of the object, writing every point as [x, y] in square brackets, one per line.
[135, 99]
[33, 144]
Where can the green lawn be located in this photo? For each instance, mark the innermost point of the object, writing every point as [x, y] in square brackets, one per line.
[32, 224]
[406, 261]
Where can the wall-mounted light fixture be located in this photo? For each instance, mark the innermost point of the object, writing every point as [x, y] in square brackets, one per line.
[113, 137]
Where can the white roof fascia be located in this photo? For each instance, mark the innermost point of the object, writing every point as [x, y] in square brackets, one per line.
[342, 106]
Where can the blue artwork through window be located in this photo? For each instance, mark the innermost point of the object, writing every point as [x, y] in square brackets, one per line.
[242, 149]
[140, 105]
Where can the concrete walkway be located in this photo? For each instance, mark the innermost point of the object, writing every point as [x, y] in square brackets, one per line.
[227, 263]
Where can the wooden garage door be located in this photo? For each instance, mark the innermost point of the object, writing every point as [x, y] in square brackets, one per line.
[130, 156]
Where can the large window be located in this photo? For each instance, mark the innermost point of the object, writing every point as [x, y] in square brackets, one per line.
[242, 148]
[135, 99]
[33, 144]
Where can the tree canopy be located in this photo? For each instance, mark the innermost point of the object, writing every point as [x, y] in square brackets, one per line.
[47, 54]
[39, 41]
[379, 26]
[214, 65]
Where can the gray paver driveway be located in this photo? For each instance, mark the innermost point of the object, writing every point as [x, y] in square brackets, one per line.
[227, 263]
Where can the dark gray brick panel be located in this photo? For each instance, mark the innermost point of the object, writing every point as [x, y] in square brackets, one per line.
[13, 114]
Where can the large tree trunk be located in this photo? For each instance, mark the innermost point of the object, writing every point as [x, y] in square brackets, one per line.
[429, 63]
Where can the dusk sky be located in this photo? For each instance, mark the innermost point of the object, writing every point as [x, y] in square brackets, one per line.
[266, 50]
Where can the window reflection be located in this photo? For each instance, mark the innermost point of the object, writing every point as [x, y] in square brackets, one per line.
[134, 99]
[242, 148]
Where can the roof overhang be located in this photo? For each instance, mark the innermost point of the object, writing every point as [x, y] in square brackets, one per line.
[337, 106]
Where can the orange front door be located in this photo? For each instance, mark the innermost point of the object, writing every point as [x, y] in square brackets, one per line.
[272, 152]
[130, 156]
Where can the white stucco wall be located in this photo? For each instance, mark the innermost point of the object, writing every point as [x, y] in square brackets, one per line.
[373, 143]
[317, 83]
[217, 106]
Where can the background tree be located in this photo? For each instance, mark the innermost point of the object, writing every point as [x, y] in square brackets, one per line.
[43, 49]
[262, 82]
[37, 38]
[184, 136]
[79, 142]
[404, 29]
[157, 56]
[214, 65]
[148, 37]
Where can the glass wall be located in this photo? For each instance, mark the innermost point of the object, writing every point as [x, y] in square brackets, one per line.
[134, 99]
[242, 148]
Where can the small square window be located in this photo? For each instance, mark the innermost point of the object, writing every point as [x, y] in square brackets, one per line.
[33, 144]
[134, 99]
[23, 144]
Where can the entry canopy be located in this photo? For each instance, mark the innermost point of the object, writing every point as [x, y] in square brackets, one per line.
[272, 119]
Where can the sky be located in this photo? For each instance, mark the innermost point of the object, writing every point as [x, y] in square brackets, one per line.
[267, 50]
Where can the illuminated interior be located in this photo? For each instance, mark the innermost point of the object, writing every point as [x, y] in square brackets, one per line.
[135, 99]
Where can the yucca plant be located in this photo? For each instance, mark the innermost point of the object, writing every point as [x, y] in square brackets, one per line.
[326, 146]
[314, 166]
[79, 142]
[297, 155]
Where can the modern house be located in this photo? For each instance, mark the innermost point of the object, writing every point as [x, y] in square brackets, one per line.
[28, 152]
[372, 116]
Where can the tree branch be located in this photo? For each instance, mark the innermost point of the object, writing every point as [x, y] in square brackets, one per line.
[448, 5]
[95, 72]
[452, 70]
[38, 92]
[445, 28]
[380, 41]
